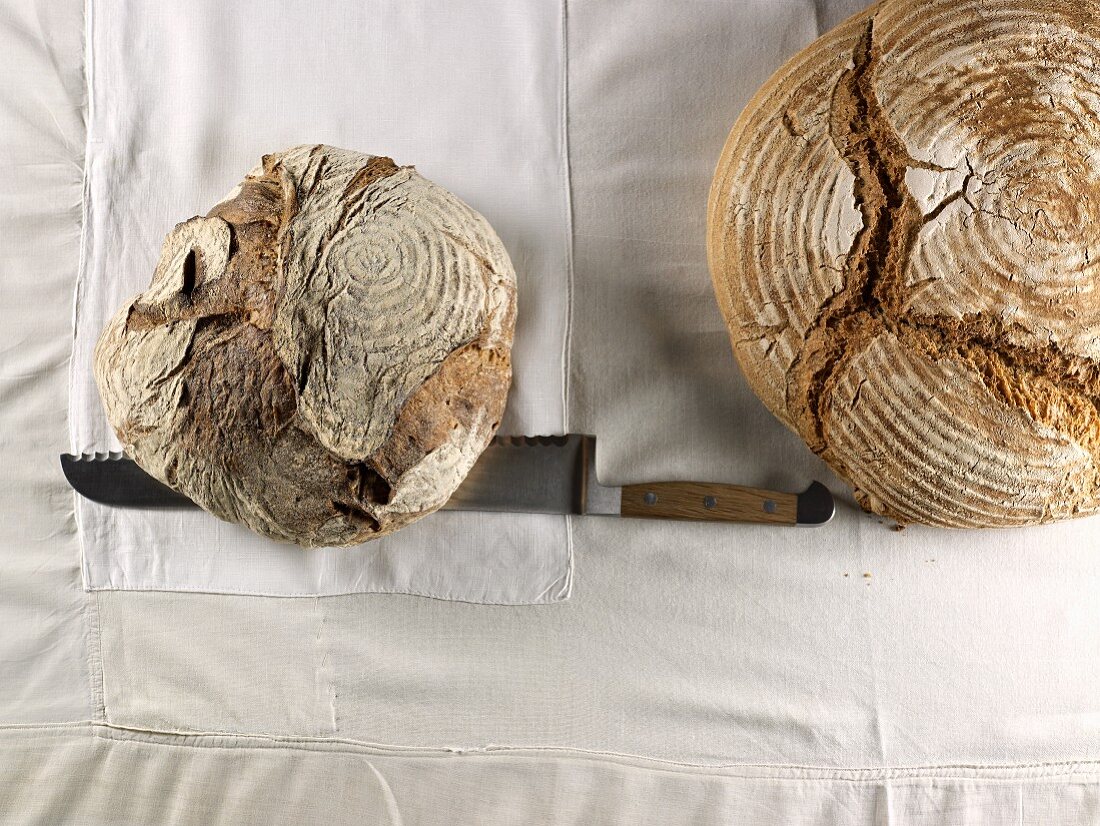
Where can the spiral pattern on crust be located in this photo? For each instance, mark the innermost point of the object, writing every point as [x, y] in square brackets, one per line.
[381, 286]
[942, 350]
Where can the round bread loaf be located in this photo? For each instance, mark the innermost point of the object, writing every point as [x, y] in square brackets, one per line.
[904, 238]
[322, 357]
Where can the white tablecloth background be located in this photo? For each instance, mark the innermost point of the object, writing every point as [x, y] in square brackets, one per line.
[698, 674]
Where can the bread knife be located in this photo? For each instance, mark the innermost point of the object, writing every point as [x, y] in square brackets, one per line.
[541, 474]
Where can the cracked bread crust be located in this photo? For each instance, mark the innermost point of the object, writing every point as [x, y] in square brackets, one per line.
[902, 236]
[323, 356]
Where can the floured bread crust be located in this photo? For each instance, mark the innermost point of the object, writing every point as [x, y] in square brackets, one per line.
[903, 236]
[323, 356]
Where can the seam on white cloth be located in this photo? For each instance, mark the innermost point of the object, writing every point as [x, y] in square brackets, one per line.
[567, 343]
[85, 207]
[1051, 770]
[102, 677]
[49, 728]
[343, 594]
[93, 655]
[229, 740]
[873, 686]
[324, 678]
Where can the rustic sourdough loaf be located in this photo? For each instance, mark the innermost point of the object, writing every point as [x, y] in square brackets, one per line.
[323, 356]
[904, 238]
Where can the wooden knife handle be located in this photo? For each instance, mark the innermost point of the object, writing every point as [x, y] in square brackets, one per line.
[709, 502]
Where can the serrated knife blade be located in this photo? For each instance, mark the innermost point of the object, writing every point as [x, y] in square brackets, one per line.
[525, 474]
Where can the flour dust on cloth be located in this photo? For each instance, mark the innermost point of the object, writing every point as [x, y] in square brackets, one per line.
[504, 156]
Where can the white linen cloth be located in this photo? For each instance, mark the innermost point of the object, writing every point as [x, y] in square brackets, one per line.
[698, 675]
[183, 101]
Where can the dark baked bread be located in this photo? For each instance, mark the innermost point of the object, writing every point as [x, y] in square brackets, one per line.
[904, 237]
[322, 357]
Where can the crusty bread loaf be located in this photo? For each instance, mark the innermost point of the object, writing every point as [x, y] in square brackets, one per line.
[322, 357]
[904, 237]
